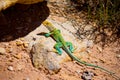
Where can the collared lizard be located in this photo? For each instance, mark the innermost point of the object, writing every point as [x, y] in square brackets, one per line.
[67, 46]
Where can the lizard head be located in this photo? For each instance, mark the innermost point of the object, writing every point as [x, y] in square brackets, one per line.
[48, 25]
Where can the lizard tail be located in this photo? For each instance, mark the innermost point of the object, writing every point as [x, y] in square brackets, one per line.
[92, 65]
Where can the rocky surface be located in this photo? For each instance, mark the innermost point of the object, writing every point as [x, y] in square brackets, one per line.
[7, 3]
[41, 57]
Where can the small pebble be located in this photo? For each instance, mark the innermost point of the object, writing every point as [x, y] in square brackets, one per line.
[118, 56]
[10, 68]
[10, 50]
[78, 71]
[88, 27]
[102, 60]
[2, 50]
[26, 78]
[22, 39]
[25, 45]
[20, 66]
[18, 56]
[99, 48]
[19, 43]
[89, 51]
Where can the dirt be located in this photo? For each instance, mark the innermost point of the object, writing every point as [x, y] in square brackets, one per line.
[20, 20]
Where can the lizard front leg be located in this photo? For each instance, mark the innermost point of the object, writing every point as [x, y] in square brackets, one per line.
[49, 34]
[45, 34]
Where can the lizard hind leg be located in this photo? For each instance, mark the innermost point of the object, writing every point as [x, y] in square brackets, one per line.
[58, 48]
[70, 45]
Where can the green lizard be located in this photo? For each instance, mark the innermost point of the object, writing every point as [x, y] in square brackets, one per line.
[67, 46]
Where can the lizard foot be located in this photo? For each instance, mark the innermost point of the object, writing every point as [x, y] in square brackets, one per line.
[55, 51]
